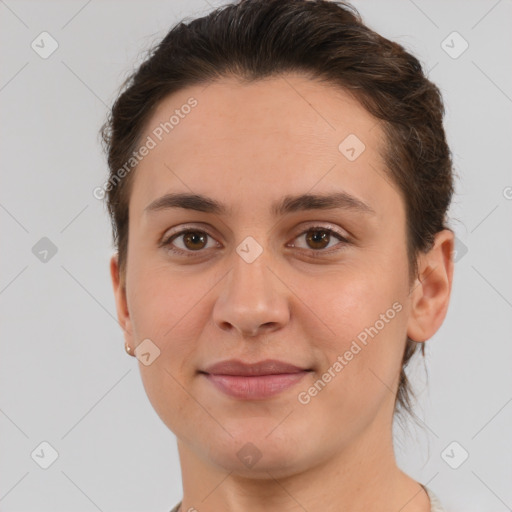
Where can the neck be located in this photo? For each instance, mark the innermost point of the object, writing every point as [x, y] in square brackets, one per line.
[361, 476]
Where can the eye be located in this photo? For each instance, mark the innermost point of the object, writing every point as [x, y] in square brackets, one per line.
[319, 238]
[192, 240]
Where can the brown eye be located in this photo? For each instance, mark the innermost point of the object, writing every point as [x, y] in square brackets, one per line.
[187, 242]
[318, 239]
[194, 240]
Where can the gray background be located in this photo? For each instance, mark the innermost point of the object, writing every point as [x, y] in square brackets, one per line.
[64, 376]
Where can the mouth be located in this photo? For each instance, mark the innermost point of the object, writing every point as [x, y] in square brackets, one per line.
[254, 381]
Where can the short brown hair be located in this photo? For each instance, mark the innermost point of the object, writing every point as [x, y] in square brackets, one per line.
[326, 41]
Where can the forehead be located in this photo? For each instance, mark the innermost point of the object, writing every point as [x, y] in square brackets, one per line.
[284, 133]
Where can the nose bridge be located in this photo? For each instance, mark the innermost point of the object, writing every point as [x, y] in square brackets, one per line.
[251, 299]
[250, 275]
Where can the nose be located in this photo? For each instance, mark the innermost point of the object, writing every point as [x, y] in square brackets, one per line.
[252, 300]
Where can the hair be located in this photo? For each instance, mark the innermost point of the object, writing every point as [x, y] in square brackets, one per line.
[326, 41]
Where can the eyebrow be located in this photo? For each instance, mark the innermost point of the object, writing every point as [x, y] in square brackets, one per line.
[288, 204]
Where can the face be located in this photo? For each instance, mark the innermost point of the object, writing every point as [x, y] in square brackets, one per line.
[319, 285]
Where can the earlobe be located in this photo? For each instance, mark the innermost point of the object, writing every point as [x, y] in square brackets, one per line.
[120, 299]
[430, 295]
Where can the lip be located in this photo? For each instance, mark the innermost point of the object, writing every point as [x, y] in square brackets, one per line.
[254, 381]
[236, 367]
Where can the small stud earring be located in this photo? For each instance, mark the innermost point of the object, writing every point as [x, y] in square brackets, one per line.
[127, 348]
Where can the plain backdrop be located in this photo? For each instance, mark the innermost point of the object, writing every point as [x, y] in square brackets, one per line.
[65, 379]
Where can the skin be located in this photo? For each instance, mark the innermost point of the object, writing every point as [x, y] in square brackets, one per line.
[248, 146]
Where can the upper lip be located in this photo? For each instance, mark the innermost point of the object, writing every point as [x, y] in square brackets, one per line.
[266, 367]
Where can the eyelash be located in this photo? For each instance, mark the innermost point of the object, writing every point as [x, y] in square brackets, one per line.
[314, 252]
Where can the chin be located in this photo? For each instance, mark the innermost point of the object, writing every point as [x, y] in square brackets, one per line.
[266, 463]
[254, 453]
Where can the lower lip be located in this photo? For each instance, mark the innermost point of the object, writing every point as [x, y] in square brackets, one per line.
[255, 387]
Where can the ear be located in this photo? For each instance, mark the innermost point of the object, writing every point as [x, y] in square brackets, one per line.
[121, 303]
[430, 294]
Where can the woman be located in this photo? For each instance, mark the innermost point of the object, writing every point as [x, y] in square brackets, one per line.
[279, 182]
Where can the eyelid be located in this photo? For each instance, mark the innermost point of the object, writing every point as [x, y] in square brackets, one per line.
[301, 230]
[323, 225]
[182, 229]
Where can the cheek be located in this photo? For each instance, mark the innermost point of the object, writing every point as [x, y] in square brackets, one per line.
[169, 311]
[361, 359]
[158, 297]
[170, 308]
[352, 302]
